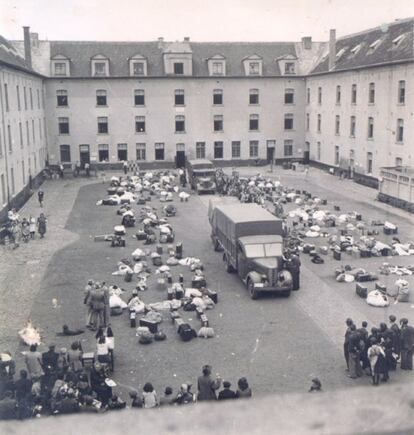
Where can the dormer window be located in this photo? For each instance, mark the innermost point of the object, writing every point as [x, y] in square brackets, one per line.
[254, 68]
[60, 66]
[397, 41]
[374, 46]
[100, 66]
[253, 65]
[287, 64]
[356, 49]
[340, 53]
[137, 66]
[290, 68]
[217, 65]
[178, 68]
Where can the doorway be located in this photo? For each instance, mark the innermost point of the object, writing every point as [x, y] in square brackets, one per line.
[180, 156]
[270, 145]
[306, 154]
[84, 155]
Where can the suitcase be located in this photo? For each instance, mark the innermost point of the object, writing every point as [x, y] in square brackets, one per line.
[387, 231]
[132, 319]
[141, 235]
[204, 320]
[161, 284]
[179, 251]
[159, 250]
[198, 283]
[363, 277]
[157, 261]
[150, 324]
[337, 255]
[178, 321]
[337, 208]
[358, 217]
[365, 253]
[381, 287]
[212, 294]
[361, 291]
[179, 293]
[324, 202]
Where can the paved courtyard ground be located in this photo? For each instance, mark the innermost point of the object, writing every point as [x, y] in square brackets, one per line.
[278, 343]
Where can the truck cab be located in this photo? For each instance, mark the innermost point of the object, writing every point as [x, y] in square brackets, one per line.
[201, 175]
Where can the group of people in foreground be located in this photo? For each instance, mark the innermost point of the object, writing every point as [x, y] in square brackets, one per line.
[378, 351]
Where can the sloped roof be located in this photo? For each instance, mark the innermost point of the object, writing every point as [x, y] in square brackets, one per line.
[80, 53]
[386, 51]
[10, 56]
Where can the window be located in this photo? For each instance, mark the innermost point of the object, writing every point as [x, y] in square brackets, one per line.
[103, 152]
[159, 151]
[101, 97]
[59, 68]
[336, 162]
[254, 96]
[307, 121]
[369, 163]
[141, 151]
[288, 121]
[218, 122]
[62, 97]
[290, 68]
[218, 150]
[122, 152]
[6, 97]
[102, 124]
[99, 68]
[38, 98]
[140, 124]
[13, 186]
[33, 131]
[354, 94]
[318, 151]
[25, 98]
[400, 130]
[401, 92]
[338, 95]
[218, 69]
[289, 96]
[319, 95]
[27, 133]
[179, 97]
[288, 148]
[254, 148]
[139, 97]
[218, 96]
[351, 158]
[235, 149]
[18, 97]
[200, 150]
[63, 125]
[398, 161]
[23, 174]
[138, 68]
[3, 190]
[21, 134]
[179, 124]
[9, 136]
[352, 126]
[254, 122]
[178, 68]
[337, 125]
[371, 93]
[370, 128]
[308, 96]
[319, 124]
[40, 129]
[254, 68]
[65, 153]
[31, 98]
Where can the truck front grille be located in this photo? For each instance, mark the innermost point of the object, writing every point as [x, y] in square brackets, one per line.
[272, 276]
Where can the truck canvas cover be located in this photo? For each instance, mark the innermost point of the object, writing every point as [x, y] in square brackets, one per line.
[239, 220]
[200, 164]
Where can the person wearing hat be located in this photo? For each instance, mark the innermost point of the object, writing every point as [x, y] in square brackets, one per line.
[207, 386]
[397, 335]
[407, 345]
[226, 393]
[184, 396]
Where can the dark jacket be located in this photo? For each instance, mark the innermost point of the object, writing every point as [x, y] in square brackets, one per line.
[207, 387]
[226, 394]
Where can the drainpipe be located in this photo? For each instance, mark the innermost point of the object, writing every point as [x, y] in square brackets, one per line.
[3, 126]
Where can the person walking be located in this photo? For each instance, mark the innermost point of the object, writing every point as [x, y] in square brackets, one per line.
[41, 225]
[407, 345]
[125, 167]
[207, 386]
[349, 323]
[397, 335]
[61, 171]
[32, 227]
[40, 196]
[87, 169]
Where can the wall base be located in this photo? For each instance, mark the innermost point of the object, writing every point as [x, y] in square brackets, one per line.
[396, 202]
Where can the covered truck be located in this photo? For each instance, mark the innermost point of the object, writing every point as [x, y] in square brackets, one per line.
[250, 238]
[201, 175]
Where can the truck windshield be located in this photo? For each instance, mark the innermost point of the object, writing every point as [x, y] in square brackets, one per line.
[200, 174]
[266, 250]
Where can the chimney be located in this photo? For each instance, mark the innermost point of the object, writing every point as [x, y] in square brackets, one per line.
[332, 48]
[307, 42]
[27, 46]
[160, 42]
[186, 39]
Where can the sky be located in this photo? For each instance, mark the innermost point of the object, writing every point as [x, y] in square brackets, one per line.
[201, 20]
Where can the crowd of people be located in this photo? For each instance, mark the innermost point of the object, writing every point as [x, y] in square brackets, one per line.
[56, 383]
[378, 351]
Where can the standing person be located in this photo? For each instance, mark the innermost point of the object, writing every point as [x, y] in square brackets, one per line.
[40, 196]
[87, 169]
[102, 350]
[107, 309]
[75, 357]
[293, 266]
[149, 396]
[77, 169]
[33, 361]
[243, 389]
[349, 322]
[354, 348]
[377, 360]
[207, 386]
[41, 225]
[97, 302]
[110, 340]
[407, 345]
[125, 167]
[32, 227]
[397, 334]
[61, 170]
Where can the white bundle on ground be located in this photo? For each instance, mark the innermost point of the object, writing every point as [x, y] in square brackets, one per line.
[138, 254]
[193, 293]
[122, 269]
[206, 332]
[377, 299]
[403, 249]
[30, 335]
[183, 195]
[115, 301]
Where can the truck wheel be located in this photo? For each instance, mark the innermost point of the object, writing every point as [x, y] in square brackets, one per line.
[254, 294]
[229, 267]
[286, 293]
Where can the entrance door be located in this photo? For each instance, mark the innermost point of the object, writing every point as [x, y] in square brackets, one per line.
[270, 153]
[180, 156]
[306, 154]
[270, 145]
[84, 155]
